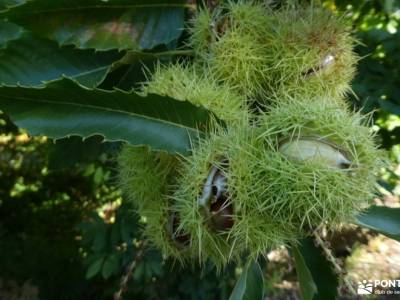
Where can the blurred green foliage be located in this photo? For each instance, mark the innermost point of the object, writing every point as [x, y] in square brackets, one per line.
[377, 83]
[65, 228]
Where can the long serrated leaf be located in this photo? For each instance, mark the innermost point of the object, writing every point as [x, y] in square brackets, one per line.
[31, 61]
[321, 270]
[66, 153]
[135, 67]
[250, 284]
[308, 289]
[104, 25]
[64, 108]
[385, 220]
[131, 71]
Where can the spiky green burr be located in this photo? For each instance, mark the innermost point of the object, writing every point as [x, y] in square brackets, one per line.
[244, 190]
[264, 53]
[144, 174]
[220, 216]
[148, 178]
[321, 162]
[197, 85]
[232, 41]
[312, 54]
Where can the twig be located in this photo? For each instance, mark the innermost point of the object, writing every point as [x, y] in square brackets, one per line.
[330, 257]
[125, 279]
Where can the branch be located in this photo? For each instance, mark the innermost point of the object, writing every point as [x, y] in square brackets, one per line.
[125, 279]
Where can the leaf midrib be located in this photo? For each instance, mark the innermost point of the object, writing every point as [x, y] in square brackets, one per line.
[101, 109]
[88, 72]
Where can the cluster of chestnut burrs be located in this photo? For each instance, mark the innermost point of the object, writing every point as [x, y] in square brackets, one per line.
[292, 157]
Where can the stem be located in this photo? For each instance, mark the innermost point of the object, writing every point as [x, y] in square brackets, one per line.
[337, 268]
[125, 279]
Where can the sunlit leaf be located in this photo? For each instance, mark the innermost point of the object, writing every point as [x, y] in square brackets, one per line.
[104, 25]
[385, 220]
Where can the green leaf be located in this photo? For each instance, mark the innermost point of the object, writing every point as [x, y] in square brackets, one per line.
[389, 6]
[31, 61]
[390, 107]
[104, 25]
[308, 289]
[94, 268]
[8, 32]
[382, 219]
[125, 232]
[101, 237]
[139, 271]
[110, 266]
[321, 270]
[134, 68]
[66, 153]
[98, 175]
[250, 284]
[4, 4]
[63, 108]
[115, 234]
[131, 71]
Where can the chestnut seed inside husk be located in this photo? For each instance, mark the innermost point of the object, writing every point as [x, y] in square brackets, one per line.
[328, 61]
[215, 202]
[221, 214]
[312, 148]
[180, 239]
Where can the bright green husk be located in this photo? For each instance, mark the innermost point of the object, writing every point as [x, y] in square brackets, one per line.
[202, 31]
[312, 54]
[264, 53]
[144, 175]
[233, 41]
[252, 233]
[311, 192]
[196, 85]
[146, 178]
[247, 52]
[158, 220]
